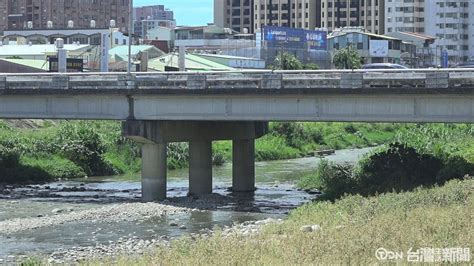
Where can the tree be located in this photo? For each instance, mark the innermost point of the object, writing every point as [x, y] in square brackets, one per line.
[347, 58]
[287, 61]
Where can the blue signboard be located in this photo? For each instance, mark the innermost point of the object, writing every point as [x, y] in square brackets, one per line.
[316, 40]
[444, 59]
[286, 37]
[295, 38]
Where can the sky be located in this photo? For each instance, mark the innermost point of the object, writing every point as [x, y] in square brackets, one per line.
[186, 12]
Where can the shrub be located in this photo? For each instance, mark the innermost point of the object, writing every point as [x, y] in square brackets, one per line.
[80, 143]
[293, 133]
[9, 157]
[395, 168]
[333, 179]
[274, 148]
[398, 168]
[55, 167]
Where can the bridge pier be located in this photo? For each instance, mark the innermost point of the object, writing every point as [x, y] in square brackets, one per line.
[243, 165]
[153, 172]
[200, 168]
[156, 134]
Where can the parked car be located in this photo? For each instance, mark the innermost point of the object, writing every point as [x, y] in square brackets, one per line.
[383, 66]
[469, 64]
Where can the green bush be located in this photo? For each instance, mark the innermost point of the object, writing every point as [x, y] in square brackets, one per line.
[274, 148]
[9, 157]
[334, 179]
[55, 167]
[80, 143]
[398, 168]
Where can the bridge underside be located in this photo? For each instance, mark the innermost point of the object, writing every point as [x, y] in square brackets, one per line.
[350, 106]
[155, 135]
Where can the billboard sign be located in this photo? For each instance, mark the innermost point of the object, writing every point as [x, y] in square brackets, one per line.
[316, 40]
[283, 37]
[73, 64]
[294, 38]
[378, 48]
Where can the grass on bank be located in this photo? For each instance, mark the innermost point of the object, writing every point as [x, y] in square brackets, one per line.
[96, 148]
[352, 229]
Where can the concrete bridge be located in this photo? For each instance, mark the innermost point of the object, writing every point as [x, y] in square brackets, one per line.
[199, 108]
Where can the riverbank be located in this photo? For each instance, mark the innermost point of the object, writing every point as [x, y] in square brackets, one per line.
[40, 151]
[423, 155]
[350, 230]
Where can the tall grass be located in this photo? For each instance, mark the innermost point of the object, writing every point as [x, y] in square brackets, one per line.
[352, 229]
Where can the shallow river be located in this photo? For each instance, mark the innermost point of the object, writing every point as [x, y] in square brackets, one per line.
[275, 197]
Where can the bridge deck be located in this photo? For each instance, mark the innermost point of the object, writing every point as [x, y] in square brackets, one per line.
[388, 96]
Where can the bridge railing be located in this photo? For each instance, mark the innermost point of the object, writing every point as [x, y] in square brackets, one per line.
[259, 79]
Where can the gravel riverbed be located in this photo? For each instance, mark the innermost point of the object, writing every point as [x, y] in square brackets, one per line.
[134, 246]
[111, 213]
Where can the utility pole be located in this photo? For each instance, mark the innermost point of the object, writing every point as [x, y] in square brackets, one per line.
[130, 27]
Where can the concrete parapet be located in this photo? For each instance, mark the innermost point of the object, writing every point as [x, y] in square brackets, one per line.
[181, 131]
[60, 82]
[3, 82]
[196, 82]
[437, 80]
[271, 81]
[351, 80]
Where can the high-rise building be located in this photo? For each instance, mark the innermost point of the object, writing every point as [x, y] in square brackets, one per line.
[147, 18]
[234, 14]
[287, 13]
[368, 14]
[60, 12]
[405, 16]
[156, 12]
[450, 21]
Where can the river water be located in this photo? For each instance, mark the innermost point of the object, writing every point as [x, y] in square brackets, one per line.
[275, 197]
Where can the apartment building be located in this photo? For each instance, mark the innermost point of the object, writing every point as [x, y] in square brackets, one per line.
[405, 16]
[452, 23]
[59, 12]
[148, 18]
[449, 21]
[369, 14]
[287, 13]
[156, 12]
[234, 14]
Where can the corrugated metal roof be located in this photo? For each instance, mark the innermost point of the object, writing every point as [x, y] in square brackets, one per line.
[192, 63]
[38, 64]
[365, 33]
[37, 49]
[123, 49]
[120, 53]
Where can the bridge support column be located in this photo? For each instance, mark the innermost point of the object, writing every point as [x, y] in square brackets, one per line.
[243, 165]
[200, 167]
[153, 172]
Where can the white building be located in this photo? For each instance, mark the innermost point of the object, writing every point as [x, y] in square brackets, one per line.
[450, 21]
[405, 16]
